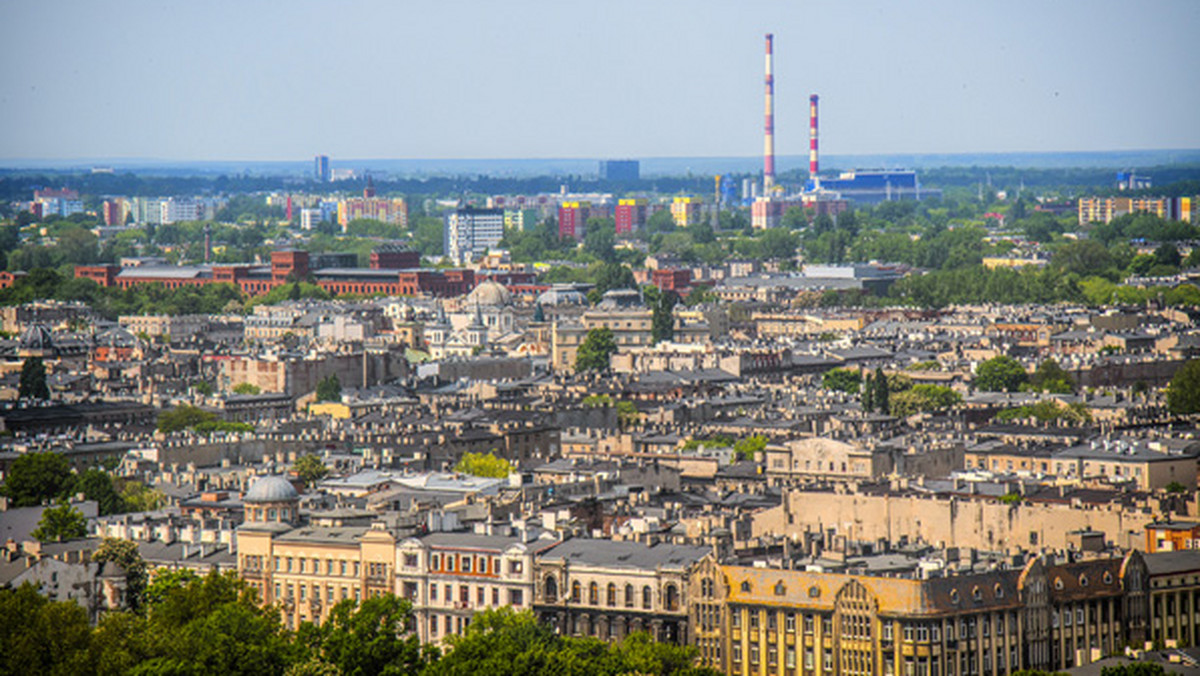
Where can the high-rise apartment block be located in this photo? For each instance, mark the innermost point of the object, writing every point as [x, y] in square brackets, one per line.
[630, 215]
[388, 210]
[469, 233]
[572, 219]
[686, 210]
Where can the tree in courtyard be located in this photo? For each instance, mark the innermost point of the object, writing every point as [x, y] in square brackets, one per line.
[882, 395]
[32, 383]
[868, 393]
[183, 417]
[329, 389]
[1000, 374]
[662, 318]
[595, 350]
[96, 484]
[35, 478]
[841, 379]
[310, 469]
[125, 554]
[1050, 377]
[484, 465]
[60, 522]
[1183, 394]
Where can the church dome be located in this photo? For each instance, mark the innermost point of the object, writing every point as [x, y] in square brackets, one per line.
[271, 489]
[117, 338]
[490, 293]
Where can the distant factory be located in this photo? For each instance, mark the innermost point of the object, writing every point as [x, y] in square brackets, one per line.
[819, 195]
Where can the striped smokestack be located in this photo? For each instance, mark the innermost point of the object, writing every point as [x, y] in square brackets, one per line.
[812, 137]
[769, 130]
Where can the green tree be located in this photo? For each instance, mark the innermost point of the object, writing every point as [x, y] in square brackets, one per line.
[329, 389]
[778, 243]
[36, 477]
[203, 388]
[96, 484]
[1050, 377]
[40, 636]
[662, 317]
[32, 383]
[923, 398]
[612, 276]
[166, 582]
[484, 465]
[60, 522]
[595, 350]
[310, 469]
[138, 497]
[246, 388]
[1134, 669]
[1183, 394]
[183, 417]
[370, 637]
[1000, 374]
[125, 554]
[1083, 257]
[882, 395]
[627, 414]
[660, 221]
[747, 447]
[505, 643]
[842, 379]
[868, 393]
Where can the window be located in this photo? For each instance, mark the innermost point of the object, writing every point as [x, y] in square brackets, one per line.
[753, 653]
[516, 597]
[495, 566]
[551, 589]
[790, 623]
[410, 560]
[449, 562]
[736, 618]
[466, 564]
[647, 597]
[433, 625]
[495, 596]
[594, 594]
[629, 598]
[772, 621]
[737, 652]
[515, 567]
[435, 562]
[343, 567]
[808, 624]
[576, 592]
[790, 657]
[612, 595]
[754, 620]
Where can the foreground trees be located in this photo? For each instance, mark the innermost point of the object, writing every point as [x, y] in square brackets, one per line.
[215, 625]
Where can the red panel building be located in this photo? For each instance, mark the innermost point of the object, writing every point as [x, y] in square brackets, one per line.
[630, 215]
[572, 219]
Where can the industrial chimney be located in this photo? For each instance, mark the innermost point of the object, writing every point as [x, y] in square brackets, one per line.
[769, 140]
[812, 138]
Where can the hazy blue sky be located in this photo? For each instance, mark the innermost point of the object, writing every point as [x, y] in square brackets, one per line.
[261, 80]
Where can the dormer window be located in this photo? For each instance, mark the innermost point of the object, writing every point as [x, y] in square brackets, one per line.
[745, 587]
[780, 589]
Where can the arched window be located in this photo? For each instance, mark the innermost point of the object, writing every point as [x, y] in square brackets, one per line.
[612, 595]
[594, 594]
[672, 598]
[551, 589]
[629, 597]
[647, 597]
[576, 592]
[271, 514]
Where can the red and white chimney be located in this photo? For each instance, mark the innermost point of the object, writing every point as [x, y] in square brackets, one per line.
[769, 129]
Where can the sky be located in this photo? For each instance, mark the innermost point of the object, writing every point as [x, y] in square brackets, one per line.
[389, 79]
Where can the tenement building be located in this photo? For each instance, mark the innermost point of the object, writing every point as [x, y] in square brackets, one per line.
[1045, 615]
[610, 589]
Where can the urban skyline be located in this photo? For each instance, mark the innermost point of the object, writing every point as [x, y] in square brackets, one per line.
[669, 80]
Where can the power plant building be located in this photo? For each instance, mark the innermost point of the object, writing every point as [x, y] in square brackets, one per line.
[620, 170]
